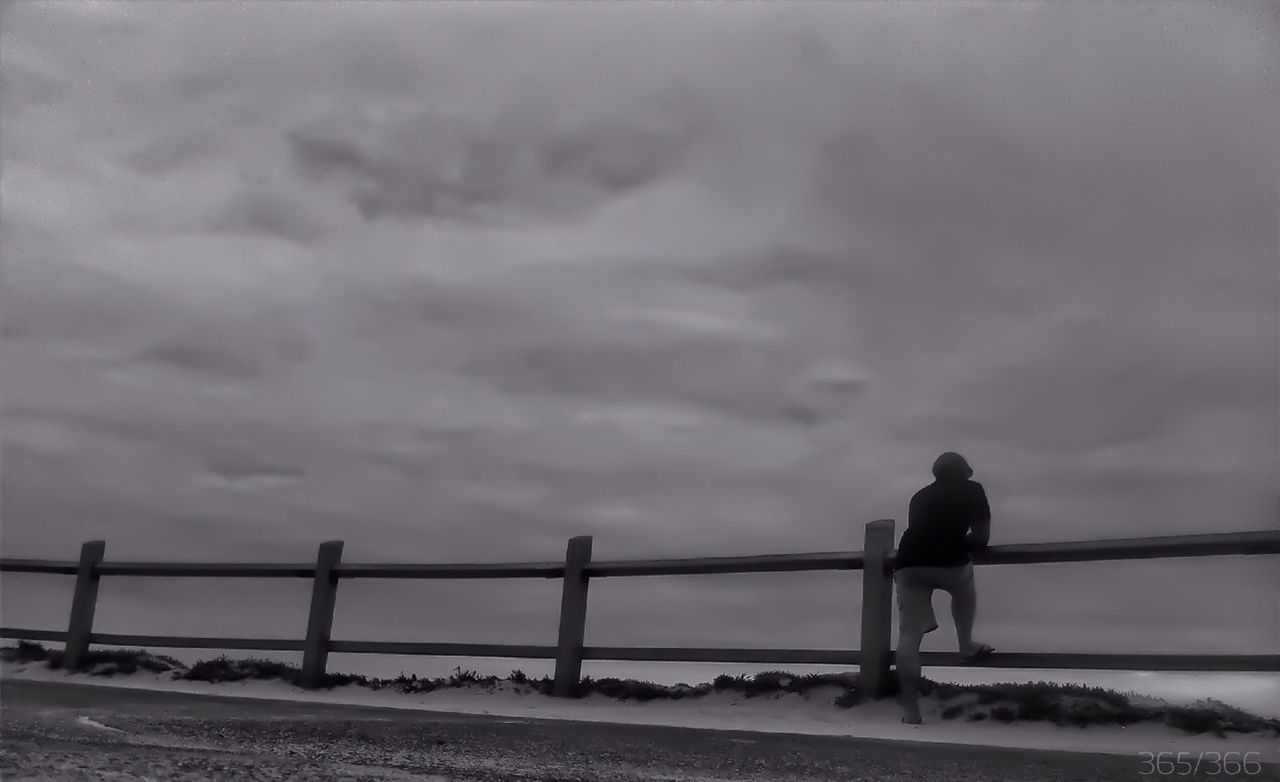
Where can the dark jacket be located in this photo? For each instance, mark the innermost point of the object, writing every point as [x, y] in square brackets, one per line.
[938, 518]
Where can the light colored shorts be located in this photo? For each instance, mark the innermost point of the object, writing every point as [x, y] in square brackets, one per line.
[915, 586]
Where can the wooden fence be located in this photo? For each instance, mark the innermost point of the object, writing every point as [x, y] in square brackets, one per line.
[874, 657]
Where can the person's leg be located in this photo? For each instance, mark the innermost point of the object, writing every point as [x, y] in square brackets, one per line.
[964, 608]
[908, 667]
[915, 619]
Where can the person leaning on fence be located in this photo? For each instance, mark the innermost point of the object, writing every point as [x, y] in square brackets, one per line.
[947, 521]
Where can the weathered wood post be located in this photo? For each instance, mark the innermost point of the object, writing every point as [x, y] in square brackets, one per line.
[877, 607]
[83, 605]
[573, 618]
[324, 594]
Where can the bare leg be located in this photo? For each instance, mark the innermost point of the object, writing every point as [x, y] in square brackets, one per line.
[964, 609]
[908, 665]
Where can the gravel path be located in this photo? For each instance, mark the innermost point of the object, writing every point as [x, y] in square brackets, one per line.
[74, 732]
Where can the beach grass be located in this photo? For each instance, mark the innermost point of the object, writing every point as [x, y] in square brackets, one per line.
[1005, 702]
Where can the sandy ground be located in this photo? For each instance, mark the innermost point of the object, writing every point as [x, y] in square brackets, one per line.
[812, 714]
[60, 732]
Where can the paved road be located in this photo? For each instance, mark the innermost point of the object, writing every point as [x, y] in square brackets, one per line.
[69, 732]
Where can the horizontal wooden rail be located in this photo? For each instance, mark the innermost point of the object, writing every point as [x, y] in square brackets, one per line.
[23, 634]
[771, 563]
[443, 649]
[185, 642]
[274, 570]
[1046, 660]
[675, 654]
[1240, 663]
[206, 570]
[38, 566]
[509, 570]
[1243, 663]
[1172, 546]
[160, 641]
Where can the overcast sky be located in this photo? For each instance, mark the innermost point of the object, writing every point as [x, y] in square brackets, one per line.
[457, 283]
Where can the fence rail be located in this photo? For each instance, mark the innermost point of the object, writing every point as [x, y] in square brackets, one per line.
[874, 658]
[38, 566]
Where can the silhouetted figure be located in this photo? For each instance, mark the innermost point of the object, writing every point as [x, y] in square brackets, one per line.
[946, 521]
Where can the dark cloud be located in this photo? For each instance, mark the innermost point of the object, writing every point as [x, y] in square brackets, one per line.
[200, 360]
[613, 158]
[224, 351]
[435, 164]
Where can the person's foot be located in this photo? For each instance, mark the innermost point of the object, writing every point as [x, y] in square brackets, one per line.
[976, 652]
[910, 711]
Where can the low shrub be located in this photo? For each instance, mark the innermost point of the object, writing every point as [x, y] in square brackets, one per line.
[951, 712]
[1031, 701]
[24, 652]
[1003, 714]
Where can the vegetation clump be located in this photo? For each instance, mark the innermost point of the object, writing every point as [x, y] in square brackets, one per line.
[1004, 702]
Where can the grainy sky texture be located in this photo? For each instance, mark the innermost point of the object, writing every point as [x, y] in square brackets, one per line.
[457, 283]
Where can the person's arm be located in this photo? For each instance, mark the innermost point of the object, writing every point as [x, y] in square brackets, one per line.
[913, 509]
[979, 535]
[980, 528]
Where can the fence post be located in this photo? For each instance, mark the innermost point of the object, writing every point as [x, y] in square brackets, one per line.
[877, 607]
[324, 593]
[83, 605]
[573, 618]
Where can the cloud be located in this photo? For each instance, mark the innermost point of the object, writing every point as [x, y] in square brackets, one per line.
[694, 281]
[413, 164]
